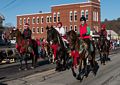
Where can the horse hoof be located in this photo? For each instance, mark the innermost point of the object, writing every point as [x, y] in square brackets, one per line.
[25, 69]
[32, 67]
[103, 63]
[20, 69]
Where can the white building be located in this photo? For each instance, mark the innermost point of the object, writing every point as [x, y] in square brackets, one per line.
[113, 34]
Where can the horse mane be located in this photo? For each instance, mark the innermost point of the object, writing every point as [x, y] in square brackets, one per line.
[55, 33]
[75, 41]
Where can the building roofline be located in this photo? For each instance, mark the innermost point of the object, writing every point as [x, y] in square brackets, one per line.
[75, 3]
[33, 14]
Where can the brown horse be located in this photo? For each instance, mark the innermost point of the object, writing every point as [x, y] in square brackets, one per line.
[26, 48]
[79, 45]
[103, 46]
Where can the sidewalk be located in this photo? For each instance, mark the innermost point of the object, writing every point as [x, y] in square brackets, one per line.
[18, 63]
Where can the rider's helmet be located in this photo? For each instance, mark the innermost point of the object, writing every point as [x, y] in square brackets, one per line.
[83, 19]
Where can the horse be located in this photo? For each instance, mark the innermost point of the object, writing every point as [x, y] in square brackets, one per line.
[79, 45]
[26, 48]
[103, 48]
[59, 50]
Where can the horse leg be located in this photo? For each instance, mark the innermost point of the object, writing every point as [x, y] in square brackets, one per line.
[26, 64]
[20, 68]
[104, 58]
[73, 72]
[85, 68]
[79, 76]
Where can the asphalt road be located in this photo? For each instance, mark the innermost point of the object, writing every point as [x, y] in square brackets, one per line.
[104, 74]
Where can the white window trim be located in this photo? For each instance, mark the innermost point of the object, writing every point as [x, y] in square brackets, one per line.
[75, 13]
[93, 15]
[82, 12]
[32, 29]
[97, 17]
[86, 11]
[66, 28]
[20, 21]
[41, 30]
[32, 20]
[58, 13]
[74, 27]
[37, 20]
[24, 20]
[41, 19]
[70, 16]
[70, 27]
[37, 30]
[48, 20]
[53, 17]
[27, 20]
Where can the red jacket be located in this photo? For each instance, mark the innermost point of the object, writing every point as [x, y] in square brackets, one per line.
[83, 30]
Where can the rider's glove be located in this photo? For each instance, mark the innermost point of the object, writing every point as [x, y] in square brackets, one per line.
[84, 34]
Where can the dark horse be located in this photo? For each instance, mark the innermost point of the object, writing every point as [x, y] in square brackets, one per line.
[27, 49]
[103, 48]
[54, 38]
[79, 45]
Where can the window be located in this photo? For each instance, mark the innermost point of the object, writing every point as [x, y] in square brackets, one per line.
[71, 17]
[82, 13]
[20, 22]
[86, 12]
[58, 16]
[97, 17]
[75, 15]
[50, 19]
[24, 20]
[33, 20]
[94, 16]
[33, 30]
[47, 19]
[38, 20]
[42, 20]
[70, 27]
[66, 29]
[75, 28]
[54, 16]
[38, 30]
[28, 20]
[42, 30]
[20, 30]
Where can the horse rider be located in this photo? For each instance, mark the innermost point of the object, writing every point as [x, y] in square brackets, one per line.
[62, 32]
[27, 32]
[103, 32]
[27, 35]
[85, 32]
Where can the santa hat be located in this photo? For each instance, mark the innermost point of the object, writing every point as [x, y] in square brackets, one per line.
[59, 23]
[103, 26]
[26, 24]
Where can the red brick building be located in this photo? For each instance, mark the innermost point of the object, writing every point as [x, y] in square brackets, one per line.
[68, 14]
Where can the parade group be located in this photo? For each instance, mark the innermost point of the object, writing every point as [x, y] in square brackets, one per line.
[68, 50]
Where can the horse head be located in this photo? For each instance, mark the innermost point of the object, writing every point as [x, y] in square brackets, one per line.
[15, 33]
[52, 35]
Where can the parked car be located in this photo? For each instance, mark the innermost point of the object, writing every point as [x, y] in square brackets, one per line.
[2, 42]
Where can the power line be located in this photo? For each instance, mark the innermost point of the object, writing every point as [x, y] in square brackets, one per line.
[10, 3]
